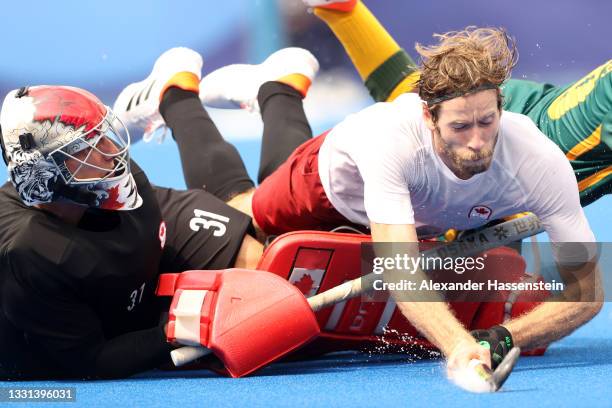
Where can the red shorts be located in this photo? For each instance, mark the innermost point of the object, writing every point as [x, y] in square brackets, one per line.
[292, 198]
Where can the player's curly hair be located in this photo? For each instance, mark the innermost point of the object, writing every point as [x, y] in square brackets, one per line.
[464, 61]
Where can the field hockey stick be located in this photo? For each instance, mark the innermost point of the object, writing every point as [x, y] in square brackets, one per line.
[470, 244]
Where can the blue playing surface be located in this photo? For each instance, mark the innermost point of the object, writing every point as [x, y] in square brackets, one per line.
[61, 42]
[574, 372]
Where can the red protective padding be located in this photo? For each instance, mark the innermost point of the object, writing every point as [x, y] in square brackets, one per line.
[354, 324]
[168, 283]
[206, 312]
[316, 261]
[256, 317]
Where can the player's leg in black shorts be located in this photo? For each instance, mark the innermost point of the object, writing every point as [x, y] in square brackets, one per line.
[210, 162]
[285, 125]
[202, 231]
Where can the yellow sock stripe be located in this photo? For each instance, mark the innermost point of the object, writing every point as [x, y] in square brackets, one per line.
[585, 145]
[298, 82]
[594, 178]
[577, 93]
[187, 81]
[408, 84]
[365, 40]
[517, 215]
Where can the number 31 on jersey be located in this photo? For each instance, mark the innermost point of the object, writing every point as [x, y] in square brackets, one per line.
[208, 220]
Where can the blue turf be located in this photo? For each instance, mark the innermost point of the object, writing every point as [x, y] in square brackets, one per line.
[576, 371]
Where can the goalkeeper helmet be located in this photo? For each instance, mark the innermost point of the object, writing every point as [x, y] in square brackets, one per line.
[63, 144]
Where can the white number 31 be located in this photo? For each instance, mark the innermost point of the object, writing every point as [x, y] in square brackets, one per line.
[208, 220]
[136, 297]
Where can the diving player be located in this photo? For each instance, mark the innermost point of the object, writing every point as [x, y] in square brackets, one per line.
[447, 158]
[577, 117]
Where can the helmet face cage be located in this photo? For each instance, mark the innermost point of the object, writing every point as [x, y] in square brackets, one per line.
[109, 130]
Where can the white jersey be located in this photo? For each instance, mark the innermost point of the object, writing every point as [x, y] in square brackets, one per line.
[379, 165]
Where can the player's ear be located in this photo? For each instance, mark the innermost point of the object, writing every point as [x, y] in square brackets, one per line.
[427, 116]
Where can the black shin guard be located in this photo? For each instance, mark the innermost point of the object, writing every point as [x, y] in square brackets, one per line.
[208, 161]
[285, 125]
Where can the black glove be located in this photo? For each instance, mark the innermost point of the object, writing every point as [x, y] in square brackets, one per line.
[498, 340]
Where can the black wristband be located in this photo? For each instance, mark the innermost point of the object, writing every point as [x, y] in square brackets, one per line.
[498, 340]
[503, 334]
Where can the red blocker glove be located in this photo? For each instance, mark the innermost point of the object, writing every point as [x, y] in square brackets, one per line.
[247, 318]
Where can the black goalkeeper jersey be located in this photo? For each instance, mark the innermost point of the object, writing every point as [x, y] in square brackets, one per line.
[78, 301]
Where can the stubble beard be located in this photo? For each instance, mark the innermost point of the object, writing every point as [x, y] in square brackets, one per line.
[465, 165]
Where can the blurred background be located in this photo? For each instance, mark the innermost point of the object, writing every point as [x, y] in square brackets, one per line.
[104, 45]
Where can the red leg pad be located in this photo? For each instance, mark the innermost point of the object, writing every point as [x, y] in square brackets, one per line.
[315, 261]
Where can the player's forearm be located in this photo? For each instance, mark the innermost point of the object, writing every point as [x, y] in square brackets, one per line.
[552, 321]
[430, 315]
[132, 353]
[119, 357]
[436, 322]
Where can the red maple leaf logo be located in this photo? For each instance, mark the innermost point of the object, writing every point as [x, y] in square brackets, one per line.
[112, 202]
[480, 211]
[304, 284]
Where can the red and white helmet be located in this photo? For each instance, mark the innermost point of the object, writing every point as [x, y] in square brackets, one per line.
[43, 126]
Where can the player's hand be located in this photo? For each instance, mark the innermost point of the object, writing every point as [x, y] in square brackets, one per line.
[465, 351]
[497, 340]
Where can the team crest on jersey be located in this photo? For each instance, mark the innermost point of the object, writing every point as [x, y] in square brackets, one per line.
[162, 234]
[480, 211]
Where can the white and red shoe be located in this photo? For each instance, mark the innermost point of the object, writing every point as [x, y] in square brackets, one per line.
[339, 5]
[236, 86]
[138, 104]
